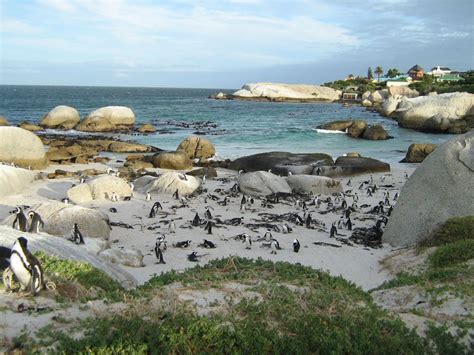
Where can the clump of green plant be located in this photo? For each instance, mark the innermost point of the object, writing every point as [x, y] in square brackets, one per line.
[452, 254]
[445, 342]
[83, 273]
[456, 228]
[322, 314]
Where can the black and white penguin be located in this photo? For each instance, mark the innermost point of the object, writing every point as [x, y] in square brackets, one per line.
[148, 197]
[268, 235]
[21, 220]
[193, 257]
[76, 235]
[172, 226]
[35, 222]
[274, 246]
[65, 200]
[26, 267]
[296, 245]
[4, 257]
[395, 197]
[184, 201]
[344, 204]
[208, 244]
[333, 232]
[176, 195]
[208, 213]
[349, 183]
[183, 244]
[349, 224]
[196, 220]
[248, 241]
[309, 220]
[208, 227]
[154, 209]
[113, 210]
[114, 197]
[160, 247]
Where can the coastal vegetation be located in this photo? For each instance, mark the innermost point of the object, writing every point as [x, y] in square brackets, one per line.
[429, 84]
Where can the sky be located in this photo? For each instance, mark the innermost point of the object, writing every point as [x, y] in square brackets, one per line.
[226, 43]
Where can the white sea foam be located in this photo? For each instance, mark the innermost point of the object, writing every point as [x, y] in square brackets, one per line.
[328, 131]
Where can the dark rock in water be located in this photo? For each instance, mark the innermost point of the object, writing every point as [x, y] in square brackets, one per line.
[281, 162]
[357, 128]
[345, 166]
[209, 172]
[375, 133]
[337, 125]
[418, 152]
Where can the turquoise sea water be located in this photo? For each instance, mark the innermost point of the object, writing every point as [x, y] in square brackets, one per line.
[241, 127]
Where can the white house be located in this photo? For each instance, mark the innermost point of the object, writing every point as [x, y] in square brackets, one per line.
[440, 71]
[401, 81]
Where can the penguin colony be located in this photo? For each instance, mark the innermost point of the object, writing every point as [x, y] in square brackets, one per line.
[267, 231]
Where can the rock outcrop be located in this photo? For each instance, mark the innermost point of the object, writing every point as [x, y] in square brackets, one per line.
[14, 180]
[403, 91]
[106, 119]
[172, 160]
[315, 184]
[341, 125]
[127, 257]
[147, 128]
[440, 188]
[100, 188]
[281, 162]
[30, 126]
[287, 92]
[22, 148]
[451, 113]
[63, 117]
[3, 121]
[168, 183]
[375, 133]
[418, 152]
[196, 147]
[347, 166]
[357, 129]
[71, 154]
[262, 183]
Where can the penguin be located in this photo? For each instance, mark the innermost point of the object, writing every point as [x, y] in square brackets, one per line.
[248, 241]
[395, 198]
[296, 245]
[20, 218]
[268, 235]
[127, 198]
[113, 210]
[65, 200]
[340, 223]
[193, 257]
[243, 208]
[204, 179]
[183, 177]
[356, 197]
[309, 220]
[406, 175]
[35, 222]
[176, 195]
[389, 212]
[208, 244]
[4, 257]
[349, 183]
[114, 197]
[148, 197]
[26, 267]
[196, 220]
[274, 245]
[208, 213]
[333, 232]
[76, 235]
[154, 209]
[349, 224]
[160, 247]
[172, 227]
[184, 201]
[344, 204]
[208, 227]
[183, 244]
[110, 171]
[243, 201]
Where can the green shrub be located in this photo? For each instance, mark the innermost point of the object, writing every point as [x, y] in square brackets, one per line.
[452, 254]
[456, 228]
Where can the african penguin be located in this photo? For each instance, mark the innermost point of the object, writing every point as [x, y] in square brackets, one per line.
[26, 267]
[296, 245]
[76, 235]
[20, 218]
[35, 222]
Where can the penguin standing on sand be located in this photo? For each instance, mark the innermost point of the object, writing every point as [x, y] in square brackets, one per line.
[296, 245]
[114, 197]
[309, 220]
[35, 222]
[21, 220]
[274, 246]
[196, 220]
[26, 267]
[208, 213]
[248, 241]
[208, 227]
[333, 232]
[154, 209]
[172, 227]
[148, 197]
[160, 247]
[176, 195]
[268, 235]
[76, 235]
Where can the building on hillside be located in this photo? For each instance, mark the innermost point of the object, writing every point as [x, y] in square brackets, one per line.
[451, 77]
[399, 81]
[439, 71]
[384, 79]
[416, 72]
[350, 94]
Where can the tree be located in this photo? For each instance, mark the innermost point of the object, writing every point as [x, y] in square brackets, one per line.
[392, 73]
[378, 71]
[369, 73]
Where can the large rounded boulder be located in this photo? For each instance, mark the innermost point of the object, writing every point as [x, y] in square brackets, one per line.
[418, 152]
[22, 148]
[375, 133]
[440, 188]
[110, 118]
[172, 160]
[14, 180]
[352, 165]
[315, 184]
[99, 189]
[357, 128]
[168, 183]
[262, 183]
[64, 117]
[197, 147]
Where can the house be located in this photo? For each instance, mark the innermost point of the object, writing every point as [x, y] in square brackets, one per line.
[350, 94]
[416, 72]
[451, 77]
[439, 71]
[399, 81]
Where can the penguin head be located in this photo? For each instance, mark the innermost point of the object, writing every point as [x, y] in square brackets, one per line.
[23, 242]
[31, 214]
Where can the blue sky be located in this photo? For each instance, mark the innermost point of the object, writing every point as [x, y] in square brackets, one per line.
[226, 43]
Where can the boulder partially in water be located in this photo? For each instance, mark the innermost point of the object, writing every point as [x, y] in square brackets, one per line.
[440, 188]
[347, 166]
[109, 118]
[418, 152]
[375, 133]
[197, 147]
[287, 92]
[63, 117]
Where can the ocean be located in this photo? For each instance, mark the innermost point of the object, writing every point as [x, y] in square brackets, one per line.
[236, 128]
